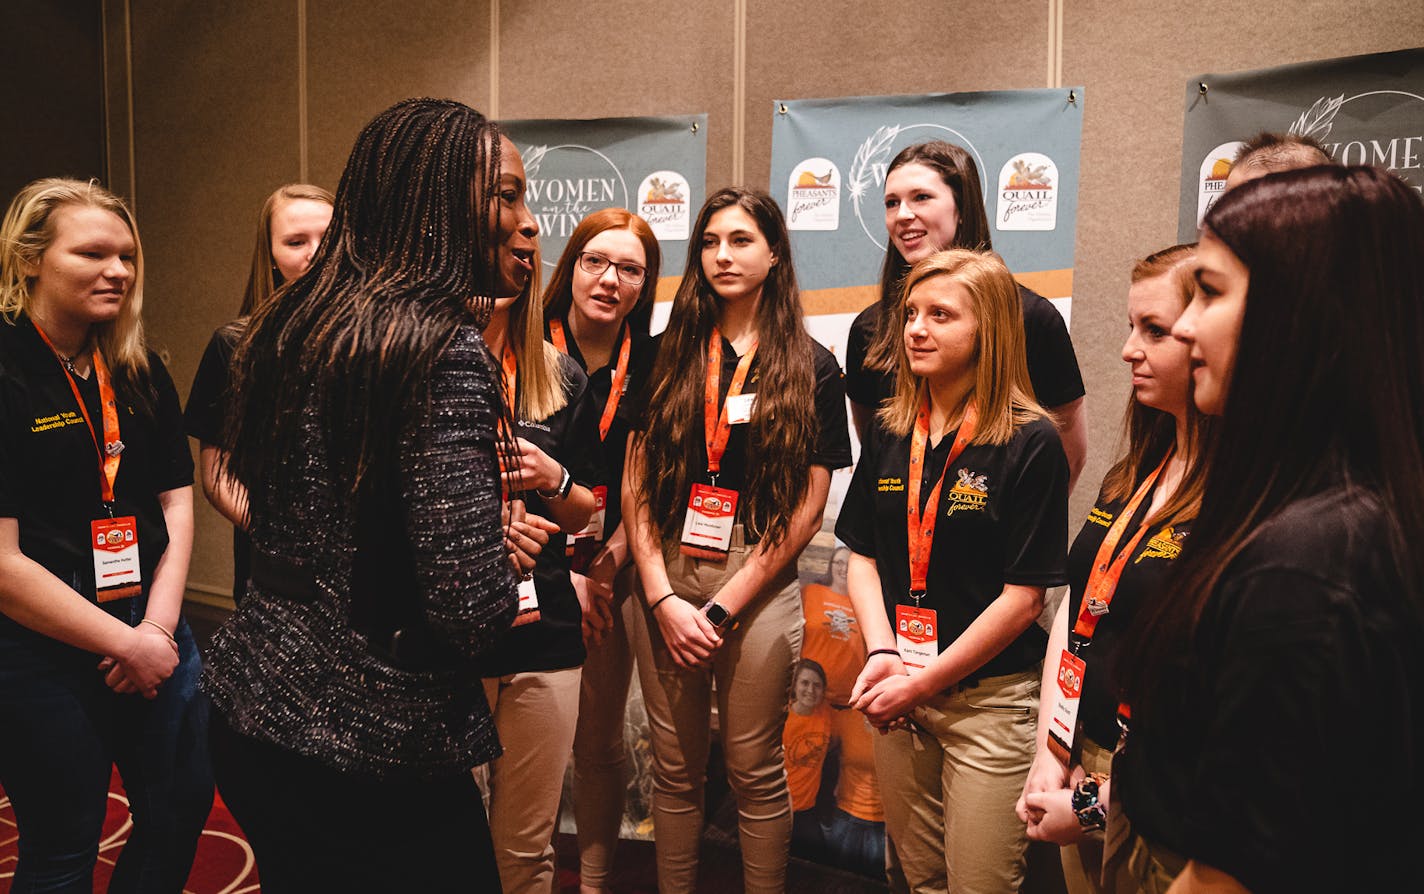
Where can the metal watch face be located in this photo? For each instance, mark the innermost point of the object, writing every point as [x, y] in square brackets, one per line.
[717, 615]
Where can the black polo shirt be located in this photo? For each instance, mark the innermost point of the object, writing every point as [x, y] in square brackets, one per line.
[1052, 365]
[555, 641]
[1284, 744]
[203, 419]
[832, 447]
[600, 383]
[49, 467]
[1142, 580]
[1003, 514]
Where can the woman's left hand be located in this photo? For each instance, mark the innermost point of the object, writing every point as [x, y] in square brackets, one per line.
[1057, 822]
[529, 469]
[890, 699]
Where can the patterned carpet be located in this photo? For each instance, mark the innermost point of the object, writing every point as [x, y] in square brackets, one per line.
[224, 863]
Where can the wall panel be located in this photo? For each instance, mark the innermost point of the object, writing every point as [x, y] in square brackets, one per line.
[364, 55]
[565, 59]
[215, 129]
[805, 49]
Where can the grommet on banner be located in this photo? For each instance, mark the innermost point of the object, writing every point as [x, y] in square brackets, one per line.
[694, 127]
[1201, 87]
[1072, 97]
[781, 109]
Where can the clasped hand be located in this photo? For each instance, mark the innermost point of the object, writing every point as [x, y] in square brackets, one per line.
[149, 660]
[885, 692]
[691, 639]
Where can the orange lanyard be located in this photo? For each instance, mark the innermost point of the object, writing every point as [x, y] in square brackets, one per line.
[717, 427]
[1107, 571]
[511, 378]
[921, 526]
[113, 447]
[620, 372]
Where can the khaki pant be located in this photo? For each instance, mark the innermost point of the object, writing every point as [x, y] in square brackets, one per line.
[600, 756]
[951, 783]
[752, 671]
[1153, 868]
[535, 714]
[1083, 862]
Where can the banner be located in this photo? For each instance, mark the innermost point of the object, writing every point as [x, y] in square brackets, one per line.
[828, 165]
[1363, 109]
[654, 167]
[829, 159]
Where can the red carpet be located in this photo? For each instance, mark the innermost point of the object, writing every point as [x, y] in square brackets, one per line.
[223, 865]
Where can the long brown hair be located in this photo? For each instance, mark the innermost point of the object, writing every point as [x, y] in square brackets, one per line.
[25, 235]
[957, 169]
[1325, 390]
[409, 254]
[783, 428]
[263, 278]
[1149, 433]
[1001, 392]
[560, 294]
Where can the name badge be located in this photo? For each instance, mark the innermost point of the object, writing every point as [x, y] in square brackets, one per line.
[528, 603]
[707, 532]
[916, 636]
[1063, 722]
[116, 565]
[739, 408]
[584, 545]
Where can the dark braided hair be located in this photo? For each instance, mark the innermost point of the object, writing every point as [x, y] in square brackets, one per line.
[409, 257]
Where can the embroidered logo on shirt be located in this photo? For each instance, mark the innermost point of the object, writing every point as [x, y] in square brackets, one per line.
[969, 493]
[1165, 544]
[1099, 517]
[58, 420]
[890, 485]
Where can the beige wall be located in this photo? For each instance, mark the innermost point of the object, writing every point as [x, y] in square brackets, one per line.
[231, 99]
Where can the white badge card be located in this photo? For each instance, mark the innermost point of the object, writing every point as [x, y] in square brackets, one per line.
[528, 603]
[739, 408]
[594, 528]
[916, 636]
[116, 564]
[707, 532]
[1069, 695]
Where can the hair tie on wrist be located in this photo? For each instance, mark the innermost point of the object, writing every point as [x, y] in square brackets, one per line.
[154, 623]
[654, 607]
[875, 652]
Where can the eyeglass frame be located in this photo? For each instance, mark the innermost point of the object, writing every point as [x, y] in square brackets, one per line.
[616, 265]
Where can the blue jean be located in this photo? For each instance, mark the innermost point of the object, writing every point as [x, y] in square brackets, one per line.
[65, 730]
[854, 843]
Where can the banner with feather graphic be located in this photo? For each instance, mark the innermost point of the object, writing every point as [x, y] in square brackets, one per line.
[828, 165]
[1363, 110]
[655, 167]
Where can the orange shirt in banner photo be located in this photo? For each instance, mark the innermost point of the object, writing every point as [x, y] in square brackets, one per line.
[832, 637]
[805, 740]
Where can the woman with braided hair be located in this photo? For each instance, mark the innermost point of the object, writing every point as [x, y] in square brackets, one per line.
[348, 704]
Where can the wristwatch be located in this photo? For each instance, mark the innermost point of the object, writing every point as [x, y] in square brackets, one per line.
[718, 615]
[1092, 813]
[566, 484]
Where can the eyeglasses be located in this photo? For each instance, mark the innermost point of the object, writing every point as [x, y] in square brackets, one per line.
[594, 264]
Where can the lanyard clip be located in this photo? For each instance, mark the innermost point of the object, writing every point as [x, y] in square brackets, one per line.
[109, 508]
[713, 476]
[917, 595]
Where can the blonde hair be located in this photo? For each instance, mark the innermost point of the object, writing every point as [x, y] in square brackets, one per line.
[1001, 392]
[26, 234]
[541, 384]
[261, 282]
